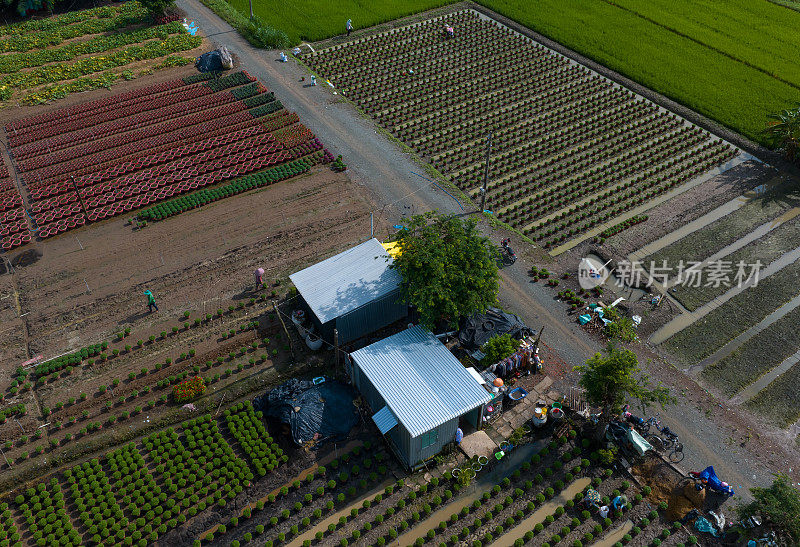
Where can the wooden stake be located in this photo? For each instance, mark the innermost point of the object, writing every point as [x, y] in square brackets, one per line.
[291, 346]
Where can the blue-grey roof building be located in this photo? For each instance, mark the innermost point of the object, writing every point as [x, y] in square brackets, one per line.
[355, 292]
[418, 392]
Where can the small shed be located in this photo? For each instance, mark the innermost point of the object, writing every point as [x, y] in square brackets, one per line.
[355, 292]
[418, 392]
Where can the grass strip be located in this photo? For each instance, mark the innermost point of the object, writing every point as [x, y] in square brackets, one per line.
[757, 356]
[709, 239]
[779, 402]
[765, 249]
[718, 327]
[254, 30]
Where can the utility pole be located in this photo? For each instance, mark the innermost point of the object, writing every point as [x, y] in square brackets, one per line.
[83, 205]
[251, 10]
[486, 173]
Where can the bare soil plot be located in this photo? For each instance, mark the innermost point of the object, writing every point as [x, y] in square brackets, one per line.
[208, 258]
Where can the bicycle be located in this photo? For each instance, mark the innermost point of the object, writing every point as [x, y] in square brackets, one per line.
[667, 441]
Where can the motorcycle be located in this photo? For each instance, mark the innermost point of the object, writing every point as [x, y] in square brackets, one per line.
[707, 478]
[508, 254]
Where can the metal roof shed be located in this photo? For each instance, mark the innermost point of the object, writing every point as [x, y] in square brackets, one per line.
[355, 292]
[414, 378]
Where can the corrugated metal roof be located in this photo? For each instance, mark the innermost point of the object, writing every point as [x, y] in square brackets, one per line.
[347, 281]
[385, 420]
[423, 384]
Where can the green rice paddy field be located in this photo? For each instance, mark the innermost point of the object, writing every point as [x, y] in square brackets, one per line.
[729, 60]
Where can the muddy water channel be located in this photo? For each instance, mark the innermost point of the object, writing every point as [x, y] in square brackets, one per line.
[483, 482]
[614, 535]
[548, 508]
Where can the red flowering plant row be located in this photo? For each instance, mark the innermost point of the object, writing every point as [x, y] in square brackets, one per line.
[227, 118]
[160, 115]
[142, 138]
[138, 170]
[140, 107]
[123, 206]
[243, 120]
[10, 199]
[26, 124]
[189, 390]
[143, 109]
[246, 132]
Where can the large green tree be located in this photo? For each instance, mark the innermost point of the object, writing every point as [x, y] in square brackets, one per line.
[449, 269]
[611, 379]
[783, 132]
[778, 505]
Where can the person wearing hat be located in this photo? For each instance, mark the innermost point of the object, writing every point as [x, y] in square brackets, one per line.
[258, 274]
[151, 301]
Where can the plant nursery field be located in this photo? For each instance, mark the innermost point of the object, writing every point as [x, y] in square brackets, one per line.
[157, 142]
[570, 150]
[756, 367]
[690, 47]
[186, 484]
[42, 60]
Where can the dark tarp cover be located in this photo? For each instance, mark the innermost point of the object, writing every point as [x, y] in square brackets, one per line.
[209, 62]
[314, 412]
[478, 328]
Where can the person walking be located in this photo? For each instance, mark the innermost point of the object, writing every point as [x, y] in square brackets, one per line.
[151, 301]
[259, 276]
[349, 26]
